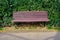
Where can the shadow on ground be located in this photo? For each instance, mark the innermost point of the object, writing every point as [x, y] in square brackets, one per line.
[55, 37]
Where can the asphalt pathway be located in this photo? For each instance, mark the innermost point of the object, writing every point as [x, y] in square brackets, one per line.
[30, 36]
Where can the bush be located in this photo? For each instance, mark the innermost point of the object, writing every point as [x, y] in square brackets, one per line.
[5, 13]
[8, 6]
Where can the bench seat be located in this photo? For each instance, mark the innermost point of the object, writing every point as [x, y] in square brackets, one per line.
[32, 20]
[30, 16]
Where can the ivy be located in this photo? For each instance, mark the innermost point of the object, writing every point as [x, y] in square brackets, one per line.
[8, 6]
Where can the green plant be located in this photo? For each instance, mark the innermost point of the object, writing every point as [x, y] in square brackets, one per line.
[8, 6]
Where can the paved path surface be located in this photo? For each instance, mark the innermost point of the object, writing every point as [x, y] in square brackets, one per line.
[30, 36]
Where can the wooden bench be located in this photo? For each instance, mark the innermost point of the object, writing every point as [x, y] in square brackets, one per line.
[30, 16]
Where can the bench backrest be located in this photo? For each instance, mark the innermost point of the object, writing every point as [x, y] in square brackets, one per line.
[30, 14]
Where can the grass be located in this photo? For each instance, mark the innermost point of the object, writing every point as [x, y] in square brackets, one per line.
[1, 28]
[29, 27]
[25, 29]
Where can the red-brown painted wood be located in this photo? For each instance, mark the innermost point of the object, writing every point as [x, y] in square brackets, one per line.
[30, 16]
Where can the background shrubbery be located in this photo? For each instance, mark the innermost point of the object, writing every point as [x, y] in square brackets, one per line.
[8, 6]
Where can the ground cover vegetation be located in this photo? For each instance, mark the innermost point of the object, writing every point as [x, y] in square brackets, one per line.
[7, 7]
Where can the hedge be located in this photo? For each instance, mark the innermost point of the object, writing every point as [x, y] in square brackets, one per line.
[8, 6]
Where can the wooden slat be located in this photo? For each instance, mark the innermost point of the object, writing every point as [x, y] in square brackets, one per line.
[30, 16]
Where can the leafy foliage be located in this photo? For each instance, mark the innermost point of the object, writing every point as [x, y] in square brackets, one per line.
[51, 6]
[5, 13]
